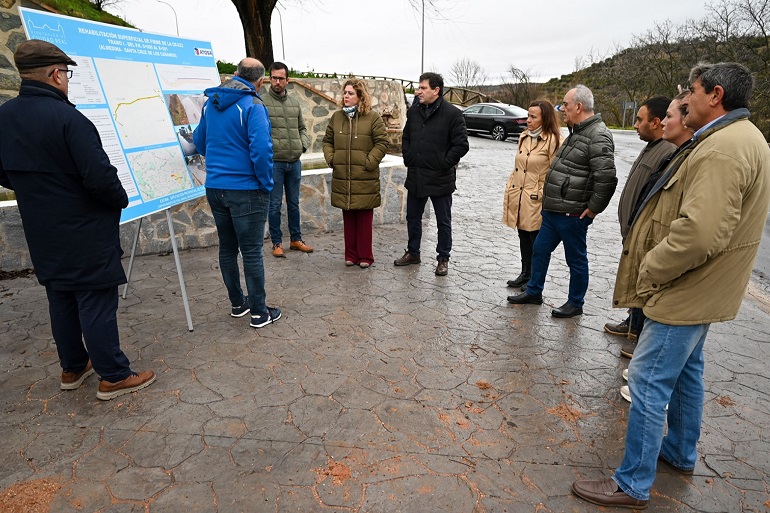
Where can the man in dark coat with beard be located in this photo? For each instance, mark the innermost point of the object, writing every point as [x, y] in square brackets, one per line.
[69, 199]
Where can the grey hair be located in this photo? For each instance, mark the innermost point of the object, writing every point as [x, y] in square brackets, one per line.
[735, 79]
[251, 73]
[585, 96]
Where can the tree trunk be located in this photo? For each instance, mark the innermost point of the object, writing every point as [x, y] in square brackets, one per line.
[255, 17]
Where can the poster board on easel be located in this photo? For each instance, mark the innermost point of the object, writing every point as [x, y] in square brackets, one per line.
[144, 94]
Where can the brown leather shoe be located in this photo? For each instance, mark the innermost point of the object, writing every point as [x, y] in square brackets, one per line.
[442, 268]
[407, 259]
[621, 329]
[136, 381]
[605, 492]
[73, 380]
[298, 245]
[278, 251]
[628, 350]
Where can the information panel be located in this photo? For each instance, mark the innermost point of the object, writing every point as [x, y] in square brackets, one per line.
[144, 93]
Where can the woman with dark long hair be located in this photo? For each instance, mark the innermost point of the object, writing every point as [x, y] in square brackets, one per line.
[523, 198]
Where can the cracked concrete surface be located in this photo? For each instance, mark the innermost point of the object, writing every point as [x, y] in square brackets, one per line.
[380, 390]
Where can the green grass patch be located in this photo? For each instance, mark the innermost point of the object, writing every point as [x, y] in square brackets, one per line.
[85, 10]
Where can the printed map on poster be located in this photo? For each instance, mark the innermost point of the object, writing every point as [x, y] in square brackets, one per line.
[144, 93]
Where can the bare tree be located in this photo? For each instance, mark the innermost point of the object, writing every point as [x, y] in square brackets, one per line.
[101, 4]
[467, 73]
[517, 87]
[255, 18]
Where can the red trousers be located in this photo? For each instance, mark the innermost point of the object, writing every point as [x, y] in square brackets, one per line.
[358, 235]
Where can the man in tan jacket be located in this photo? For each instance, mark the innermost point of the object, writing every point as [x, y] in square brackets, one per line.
[687, 261]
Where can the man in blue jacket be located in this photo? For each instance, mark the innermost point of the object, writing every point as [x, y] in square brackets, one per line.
[69, 199]
[234, 136]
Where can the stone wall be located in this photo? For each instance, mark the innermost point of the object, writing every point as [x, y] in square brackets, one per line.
[11, 35]
[324, 95]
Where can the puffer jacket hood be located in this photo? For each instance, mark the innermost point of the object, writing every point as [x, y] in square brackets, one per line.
[224, 96]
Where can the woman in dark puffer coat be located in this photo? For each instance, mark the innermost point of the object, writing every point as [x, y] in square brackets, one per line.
[355, 142]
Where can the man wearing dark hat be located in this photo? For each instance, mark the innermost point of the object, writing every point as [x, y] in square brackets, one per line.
[70, 199]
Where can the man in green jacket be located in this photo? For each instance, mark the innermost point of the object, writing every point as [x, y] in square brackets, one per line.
[687, 261]
[290, 140]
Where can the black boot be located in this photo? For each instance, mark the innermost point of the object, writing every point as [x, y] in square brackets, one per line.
[522, 279]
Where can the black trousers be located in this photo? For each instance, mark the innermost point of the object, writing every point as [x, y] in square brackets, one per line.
[526, 243]
[89, 315]
[442, 207]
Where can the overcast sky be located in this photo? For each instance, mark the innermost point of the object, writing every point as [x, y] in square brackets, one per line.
[383, 37]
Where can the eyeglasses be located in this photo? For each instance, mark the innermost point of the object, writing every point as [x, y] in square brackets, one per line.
[279, 79]
[67, 72]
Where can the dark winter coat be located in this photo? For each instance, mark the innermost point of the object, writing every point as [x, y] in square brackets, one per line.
[582, 174]
[68, 193]
[434, 141]
[354, 148]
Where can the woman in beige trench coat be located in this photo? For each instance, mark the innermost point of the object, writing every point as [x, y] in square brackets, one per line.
[523, 198]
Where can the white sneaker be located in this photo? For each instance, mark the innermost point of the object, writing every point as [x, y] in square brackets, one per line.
[625, 393]
[625, 374]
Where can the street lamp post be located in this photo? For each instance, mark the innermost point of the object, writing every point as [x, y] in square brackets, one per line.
[280, 19]
[176, 20]
[422, 55]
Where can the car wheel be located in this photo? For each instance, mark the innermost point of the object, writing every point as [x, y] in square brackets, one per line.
[498, 133]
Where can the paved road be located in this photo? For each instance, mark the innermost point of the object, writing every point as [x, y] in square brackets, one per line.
[761, 275]
[380, 390]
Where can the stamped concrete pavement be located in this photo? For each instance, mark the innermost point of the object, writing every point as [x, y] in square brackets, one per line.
[380, 390]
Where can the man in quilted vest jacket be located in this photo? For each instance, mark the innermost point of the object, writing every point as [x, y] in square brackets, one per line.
[290, 140]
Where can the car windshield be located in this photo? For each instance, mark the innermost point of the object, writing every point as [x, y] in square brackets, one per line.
[516, 111]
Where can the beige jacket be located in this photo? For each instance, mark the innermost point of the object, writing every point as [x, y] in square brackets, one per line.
[688, 257]
[523, 198]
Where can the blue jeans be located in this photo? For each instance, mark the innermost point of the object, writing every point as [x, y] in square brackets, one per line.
[286, 176]
[240, 219]
[667, 368]
[572, 231]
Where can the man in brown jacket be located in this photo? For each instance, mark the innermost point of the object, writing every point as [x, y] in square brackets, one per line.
[687, 261]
